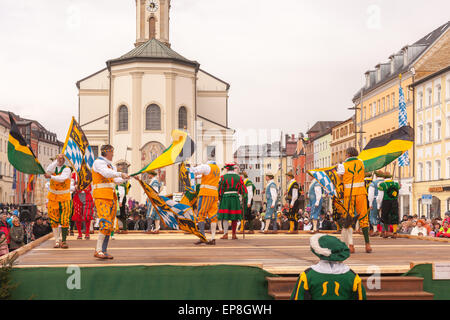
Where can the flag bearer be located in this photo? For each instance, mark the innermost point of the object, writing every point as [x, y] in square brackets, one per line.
[104, 179]
[208, 197]
[59, 199]
[355, 198]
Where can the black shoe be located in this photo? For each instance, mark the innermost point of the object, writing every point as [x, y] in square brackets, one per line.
[212, 242]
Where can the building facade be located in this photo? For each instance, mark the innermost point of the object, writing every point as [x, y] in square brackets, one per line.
[45, 146]
[141, 97]
[250, 159]
[299, 162]
[377, 102]
[432, 149]
[343, 137]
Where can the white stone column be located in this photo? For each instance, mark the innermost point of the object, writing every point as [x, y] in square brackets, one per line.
[170, 124]
[136, 130]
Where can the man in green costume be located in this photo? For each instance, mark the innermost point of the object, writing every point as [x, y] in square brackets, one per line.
[387, 200]
[231, 186]
[330, 279]
[247, 203]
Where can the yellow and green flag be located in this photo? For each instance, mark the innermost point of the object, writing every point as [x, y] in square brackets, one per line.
[383, 150]
[20, 154]
[181, 149]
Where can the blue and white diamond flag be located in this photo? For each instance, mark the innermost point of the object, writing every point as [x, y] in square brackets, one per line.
[403, 161]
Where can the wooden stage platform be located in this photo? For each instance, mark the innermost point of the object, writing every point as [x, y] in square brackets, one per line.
[282, 254]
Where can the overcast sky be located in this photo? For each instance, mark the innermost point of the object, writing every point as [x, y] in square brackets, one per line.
[290, 63]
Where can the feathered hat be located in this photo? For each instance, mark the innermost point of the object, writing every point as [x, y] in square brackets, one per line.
[329, 248]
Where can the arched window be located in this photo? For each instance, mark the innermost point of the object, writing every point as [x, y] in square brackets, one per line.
[123, 118]
[182, 118]
[152, 26]
[153, 117]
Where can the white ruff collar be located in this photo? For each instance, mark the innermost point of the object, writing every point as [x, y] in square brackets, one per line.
[330, 267]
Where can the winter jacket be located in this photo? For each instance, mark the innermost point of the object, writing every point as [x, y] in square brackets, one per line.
[16, 234]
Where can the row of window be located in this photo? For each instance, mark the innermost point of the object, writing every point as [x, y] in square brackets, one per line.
[429, 96]
[380, 106]
[429, 135]
[344, 131]
[429, 174]
[152, 118]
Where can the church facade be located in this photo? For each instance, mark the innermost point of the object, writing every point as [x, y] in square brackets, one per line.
[139, 98]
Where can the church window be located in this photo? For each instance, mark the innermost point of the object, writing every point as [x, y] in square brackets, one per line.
[182, 118]
[123, 118]
[152, 26]
[153, 117]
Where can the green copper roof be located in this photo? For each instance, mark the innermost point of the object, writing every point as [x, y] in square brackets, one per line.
[152, 50]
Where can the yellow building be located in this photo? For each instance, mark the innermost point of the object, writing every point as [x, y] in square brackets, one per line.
[380, 100]
[432, 179]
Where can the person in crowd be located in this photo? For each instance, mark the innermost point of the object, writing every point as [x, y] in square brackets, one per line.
[324, 222]
[3, 244]
[419, 229]
[39, 228]
[16, 234]
[4, 227]
[447, 217]
[307, 225]
[444, 231]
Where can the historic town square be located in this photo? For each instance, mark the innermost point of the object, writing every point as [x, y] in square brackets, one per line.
[208, 150]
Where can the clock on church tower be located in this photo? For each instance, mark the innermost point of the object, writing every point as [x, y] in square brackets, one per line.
[152, 5]
[152, 21]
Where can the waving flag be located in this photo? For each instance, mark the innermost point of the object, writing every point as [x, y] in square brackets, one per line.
[79, 153]
[173, 215]
[327, 178]
[382, 150]
[181, 149]
[403, 161]
[20, 155]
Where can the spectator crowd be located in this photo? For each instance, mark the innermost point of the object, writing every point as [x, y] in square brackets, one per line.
[15, 233]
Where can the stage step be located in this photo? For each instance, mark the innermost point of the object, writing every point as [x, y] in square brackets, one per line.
[391, 288]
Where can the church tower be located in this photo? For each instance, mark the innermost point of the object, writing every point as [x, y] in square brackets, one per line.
[152, 21]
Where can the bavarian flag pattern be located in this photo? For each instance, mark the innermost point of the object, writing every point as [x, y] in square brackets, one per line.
[173, 215]
[327, 178]
[403, 161]
[79, 153]
[383, 150]
[20, 155]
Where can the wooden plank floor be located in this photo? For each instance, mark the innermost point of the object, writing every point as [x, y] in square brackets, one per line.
[276, 253]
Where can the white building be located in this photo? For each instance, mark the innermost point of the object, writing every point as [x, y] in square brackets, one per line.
[139, 98]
